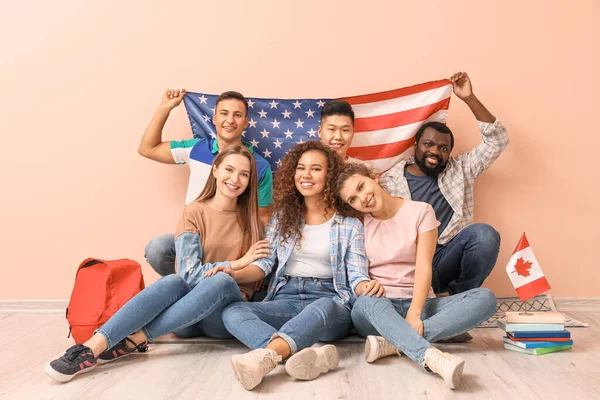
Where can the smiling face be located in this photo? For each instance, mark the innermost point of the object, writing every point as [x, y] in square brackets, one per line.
[311, 174]
[232, 175]
[230, 119]
[433, 151]
[337, 131]
[362, 193]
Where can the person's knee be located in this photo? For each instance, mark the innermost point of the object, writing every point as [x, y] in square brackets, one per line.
[487, 300]
[175, 284]
[159, 253]
[223, 282]
[364, 305]
[486, 237]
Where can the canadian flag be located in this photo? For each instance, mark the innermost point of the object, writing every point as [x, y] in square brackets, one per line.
[525, 272]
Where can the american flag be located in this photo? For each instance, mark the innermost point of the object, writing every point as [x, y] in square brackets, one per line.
[385, 123]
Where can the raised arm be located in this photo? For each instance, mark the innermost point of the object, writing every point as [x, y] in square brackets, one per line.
[463, 89]
[494, 136]
[151, 145]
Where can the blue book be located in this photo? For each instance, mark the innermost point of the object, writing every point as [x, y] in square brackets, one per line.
[536, 345]
[539, 334]
[530, 327]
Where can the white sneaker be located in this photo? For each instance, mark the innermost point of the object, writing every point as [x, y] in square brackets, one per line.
[252, 367]
[309, 363]
[377, 347]
[446, 365]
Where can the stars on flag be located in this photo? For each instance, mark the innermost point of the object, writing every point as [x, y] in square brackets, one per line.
[288, 134]
[274, 125]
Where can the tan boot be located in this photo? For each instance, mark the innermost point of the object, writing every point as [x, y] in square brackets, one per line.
[377, 347]
[309, 363]
[252, 367]
[446, 365]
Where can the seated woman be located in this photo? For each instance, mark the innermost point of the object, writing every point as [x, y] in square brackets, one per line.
[221, 228]
[321, 268]
[400, 239]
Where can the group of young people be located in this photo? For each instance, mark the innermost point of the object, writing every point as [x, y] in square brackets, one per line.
[344, 247]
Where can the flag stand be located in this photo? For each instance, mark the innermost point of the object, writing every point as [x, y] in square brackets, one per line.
[527, 312]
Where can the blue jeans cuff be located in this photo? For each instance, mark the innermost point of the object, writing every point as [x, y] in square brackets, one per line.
[288, 339]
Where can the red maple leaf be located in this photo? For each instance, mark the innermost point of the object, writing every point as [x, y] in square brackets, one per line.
[522, 267]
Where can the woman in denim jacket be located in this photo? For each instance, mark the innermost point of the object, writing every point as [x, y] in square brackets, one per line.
[321, 268]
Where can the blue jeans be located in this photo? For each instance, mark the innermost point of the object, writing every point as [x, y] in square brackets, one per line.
[442, 317]
[170, 305]
[302, 313]
[464, 262]
[160, 254]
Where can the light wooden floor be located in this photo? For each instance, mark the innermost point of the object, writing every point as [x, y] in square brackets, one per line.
[202, 370]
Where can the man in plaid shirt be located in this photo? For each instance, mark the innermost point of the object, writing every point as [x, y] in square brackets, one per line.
[466, 253]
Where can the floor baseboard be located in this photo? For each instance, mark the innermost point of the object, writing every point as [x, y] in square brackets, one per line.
[22, 306]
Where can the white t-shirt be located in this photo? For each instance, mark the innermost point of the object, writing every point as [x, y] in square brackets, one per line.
[312, 260]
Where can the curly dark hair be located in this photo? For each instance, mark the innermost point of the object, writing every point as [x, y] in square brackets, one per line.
[289, 204]
[346, 171]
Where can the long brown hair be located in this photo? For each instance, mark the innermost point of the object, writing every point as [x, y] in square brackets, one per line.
[289, 204]
[247, 202]
[346, 171]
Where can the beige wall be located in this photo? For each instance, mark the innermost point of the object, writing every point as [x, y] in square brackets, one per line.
[80, 81]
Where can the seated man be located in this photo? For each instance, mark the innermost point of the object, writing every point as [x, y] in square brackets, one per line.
[337, 127]
[230, 119]
[466, 253]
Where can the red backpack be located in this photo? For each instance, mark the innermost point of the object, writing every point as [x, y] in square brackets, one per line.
[101, 288]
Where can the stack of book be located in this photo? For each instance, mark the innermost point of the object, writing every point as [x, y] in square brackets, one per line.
[536, 333]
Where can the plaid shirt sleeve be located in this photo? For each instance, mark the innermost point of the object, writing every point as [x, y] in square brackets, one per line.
[272, 235]
[494, 141]
[356, 258]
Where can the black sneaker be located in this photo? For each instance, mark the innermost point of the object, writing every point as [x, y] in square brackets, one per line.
[460, 338]
[121, 350]
[77, 359]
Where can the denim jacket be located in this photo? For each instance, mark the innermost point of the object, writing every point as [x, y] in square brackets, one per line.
[347, 254]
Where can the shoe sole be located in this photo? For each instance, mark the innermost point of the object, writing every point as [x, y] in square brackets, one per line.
[100, 361]
[371, 349]
[60, 377]
[247, 376]
[309, 363]
[456, 375]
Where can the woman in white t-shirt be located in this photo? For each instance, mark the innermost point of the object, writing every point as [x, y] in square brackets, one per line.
[400, 240]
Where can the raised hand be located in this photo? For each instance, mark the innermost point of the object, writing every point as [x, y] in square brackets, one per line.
[461, 84]
[173, 97]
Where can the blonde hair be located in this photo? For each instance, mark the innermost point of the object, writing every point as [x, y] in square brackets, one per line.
[247, 202]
